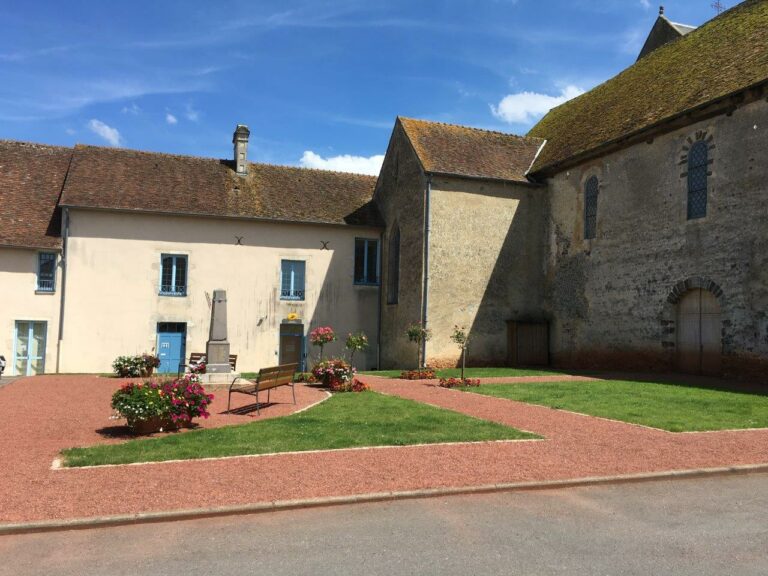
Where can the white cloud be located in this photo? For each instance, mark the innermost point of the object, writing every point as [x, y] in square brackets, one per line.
[526, 107]
[133, 109]
[111, 135]
[645, 4]
[192, 114]
[171, 119]
[70, 131]
[344, 163]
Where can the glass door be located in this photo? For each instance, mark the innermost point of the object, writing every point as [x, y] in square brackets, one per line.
[29, 355]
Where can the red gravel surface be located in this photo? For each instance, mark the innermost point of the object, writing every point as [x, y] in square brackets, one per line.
[45, 414]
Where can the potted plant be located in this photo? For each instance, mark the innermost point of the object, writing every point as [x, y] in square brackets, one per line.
[321, 336]
[148, 363]
[357, 342]
[154, 406]
[418, 334]
[333, 373]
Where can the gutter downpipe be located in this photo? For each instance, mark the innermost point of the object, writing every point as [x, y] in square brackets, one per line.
[425, 298]
[381, 304]
[65, 237]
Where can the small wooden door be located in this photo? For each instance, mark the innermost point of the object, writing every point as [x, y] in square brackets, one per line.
[699, 333]
[292, 344]
[528, 343]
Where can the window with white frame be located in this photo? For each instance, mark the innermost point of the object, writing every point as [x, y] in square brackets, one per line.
[173, 275]
[366, 261]
[46, 271]
[292, 274]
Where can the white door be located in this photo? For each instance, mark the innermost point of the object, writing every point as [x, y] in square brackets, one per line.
[29, 349]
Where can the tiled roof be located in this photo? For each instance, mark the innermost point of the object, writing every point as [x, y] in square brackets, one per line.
[31, 178]
[722, 57]
[112, 178]
[470, 152]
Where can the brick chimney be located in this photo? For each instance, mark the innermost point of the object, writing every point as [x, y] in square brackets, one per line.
[240, 140]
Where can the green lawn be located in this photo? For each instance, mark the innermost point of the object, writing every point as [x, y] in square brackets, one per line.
[472, 372]
[673, 407]
[342, 421]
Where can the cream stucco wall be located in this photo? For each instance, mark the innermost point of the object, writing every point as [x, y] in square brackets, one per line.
[485, 265]
[113, 306]
[18, 301]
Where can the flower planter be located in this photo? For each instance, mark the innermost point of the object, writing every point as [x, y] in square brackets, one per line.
[147, 372]
[154, 424]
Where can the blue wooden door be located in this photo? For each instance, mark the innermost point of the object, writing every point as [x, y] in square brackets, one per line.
[170, 349]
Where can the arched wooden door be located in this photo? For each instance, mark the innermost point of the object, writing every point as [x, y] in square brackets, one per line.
[699, 333]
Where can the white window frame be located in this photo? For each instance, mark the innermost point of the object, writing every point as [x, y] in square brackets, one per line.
[367, 281]
[293, 292]
[174, 269]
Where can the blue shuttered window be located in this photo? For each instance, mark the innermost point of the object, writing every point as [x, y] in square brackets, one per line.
[173, 275]
[698, 165]
[366, 261]
[591, 190]
[292, 279]
[46, 272]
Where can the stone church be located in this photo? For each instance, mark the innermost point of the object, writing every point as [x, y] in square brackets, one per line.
[627, 230]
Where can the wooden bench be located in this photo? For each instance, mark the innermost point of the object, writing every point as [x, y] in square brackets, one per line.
[196, 357]
[267, 379]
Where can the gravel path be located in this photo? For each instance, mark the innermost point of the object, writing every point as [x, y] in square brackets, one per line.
[48, 413]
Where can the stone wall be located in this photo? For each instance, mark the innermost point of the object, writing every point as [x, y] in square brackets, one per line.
[611, 299]
[400, 198]
[485, 267]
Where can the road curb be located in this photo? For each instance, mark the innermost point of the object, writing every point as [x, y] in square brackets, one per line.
[284, 505]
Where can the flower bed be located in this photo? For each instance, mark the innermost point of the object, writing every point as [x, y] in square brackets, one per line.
[161, 405]
[334, 373]
[135, 366]
[458, 382]
[354, 386]
[423, 374]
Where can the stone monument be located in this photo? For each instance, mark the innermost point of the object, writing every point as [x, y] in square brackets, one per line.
[217, 348]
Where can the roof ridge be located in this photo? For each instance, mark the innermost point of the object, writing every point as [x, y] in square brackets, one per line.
[30, 143]
[690, 37]
[473, 128]
[211, 158]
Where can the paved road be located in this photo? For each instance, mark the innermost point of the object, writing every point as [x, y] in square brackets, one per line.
[708, 526]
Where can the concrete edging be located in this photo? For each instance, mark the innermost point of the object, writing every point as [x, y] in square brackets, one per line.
[284, 505]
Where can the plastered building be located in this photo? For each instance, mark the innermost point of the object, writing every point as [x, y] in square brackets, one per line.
[627, 230]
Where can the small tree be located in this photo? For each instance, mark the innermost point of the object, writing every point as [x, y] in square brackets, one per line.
[356, 342]
[461, 339]
[322, 336]
[418, 334]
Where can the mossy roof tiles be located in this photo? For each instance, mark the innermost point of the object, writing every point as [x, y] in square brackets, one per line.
[31, 179]
[720, 58]
[470, 152]
[119, 179]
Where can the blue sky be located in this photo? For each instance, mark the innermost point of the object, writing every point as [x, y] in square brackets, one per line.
[318, 82]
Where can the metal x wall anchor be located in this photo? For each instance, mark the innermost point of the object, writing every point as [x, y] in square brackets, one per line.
[239, 240]
[325, 244]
